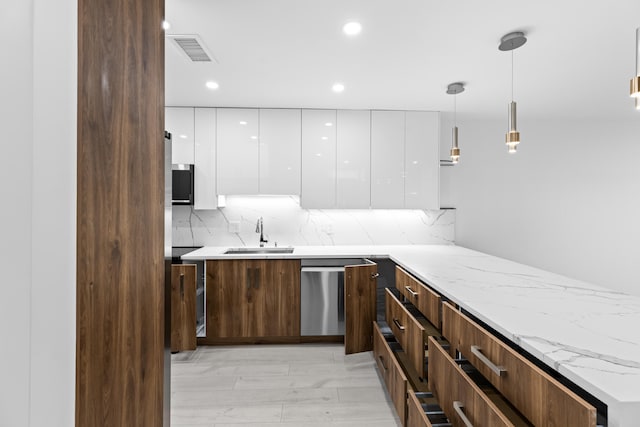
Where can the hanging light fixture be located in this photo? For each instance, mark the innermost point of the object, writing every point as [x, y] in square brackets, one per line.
[635, 82]
[511, 42]
[455, 89]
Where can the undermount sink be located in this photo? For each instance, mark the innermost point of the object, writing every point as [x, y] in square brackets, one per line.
[253, 251]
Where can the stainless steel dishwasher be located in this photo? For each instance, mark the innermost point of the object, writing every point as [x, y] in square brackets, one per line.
[322, 296]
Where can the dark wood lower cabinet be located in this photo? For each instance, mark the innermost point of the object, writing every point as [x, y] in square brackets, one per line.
[183, 307]
[252, 299]
[360, 307]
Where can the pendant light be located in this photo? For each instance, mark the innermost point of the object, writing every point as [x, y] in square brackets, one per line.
[511, 42]
[455, 89]
[635, 82]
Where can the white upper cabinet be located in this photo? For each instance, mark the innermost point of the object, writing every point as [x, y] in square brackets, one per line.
[179, 121]
[353, 132]
[422, 156]
[318, 159]
[205, 159]
[279, 151]
[238, 160]
[387, 159]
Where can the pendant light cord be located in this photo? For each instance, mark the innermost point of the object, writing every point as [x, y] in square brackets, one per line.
[455, 109]
[512, 76]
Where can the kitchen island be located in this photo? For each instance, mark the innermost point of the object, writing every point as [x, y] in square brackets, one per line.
[587, 333]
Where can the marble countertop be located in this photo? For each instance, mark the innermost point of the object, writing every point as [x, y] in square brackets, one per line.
[588, 333]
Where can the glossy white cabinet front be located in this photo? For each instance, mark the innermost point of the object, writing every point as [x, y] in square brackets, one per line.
[353, 143]
[238, 161]
[318, 159]
[279, 151]
[179, 121]
[205, 196]
[387, 159]
[422, 161]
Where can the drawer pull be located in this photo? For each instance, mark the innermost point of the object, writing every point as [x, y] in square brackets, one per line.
[477, 351]
[382, 362]
[457, 406]
[398, 324]
[411, 291]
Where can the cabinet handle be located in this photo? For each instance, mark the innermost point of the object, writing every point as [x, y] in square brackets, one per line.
[382, 362]
[181, 286]
[411, 291]
[477, 351]
[457, 406]
[398, 324]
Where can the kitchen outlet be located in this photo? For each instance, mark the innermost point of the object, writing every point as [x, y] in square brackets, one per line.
[234, 226]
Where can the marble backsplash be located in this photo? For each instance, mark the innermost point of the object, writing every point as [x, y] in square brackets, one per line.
[286, 223]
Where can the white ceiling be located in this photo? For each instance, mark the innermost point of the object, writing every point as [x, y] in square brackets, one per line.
[577, 62]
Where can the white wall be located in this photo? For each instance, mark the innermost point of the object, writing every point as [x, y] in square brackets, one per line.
[16, 108]
[567, 202]
[37, 219]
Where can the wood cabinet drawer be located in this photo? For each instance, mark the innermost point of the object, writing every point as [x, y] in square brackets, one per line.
[461, 399]
[424, 411]
[394, 377]
[415, 415]
[538, 396]
[427, 301]
[407, 330]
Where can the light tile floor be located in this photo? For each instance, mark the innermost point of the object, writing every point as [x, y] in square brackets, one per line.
[304, 385]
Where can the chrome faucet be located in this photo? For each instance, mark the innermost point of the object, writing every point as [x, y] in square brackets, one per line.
[260, 229]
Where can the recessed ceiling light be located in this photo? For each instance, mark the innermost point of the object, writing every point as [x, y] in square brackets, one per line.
[337, 87]
[328, 124]
[166, 25]
[212, 85]
[352, 28]
[254, 137]
[183, 136]
[324, 138]
[318, 154]
[243, 122]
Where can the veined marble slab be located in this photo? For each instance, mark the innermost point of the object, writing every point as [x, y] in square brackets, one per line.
[588, 333]
[287, 223]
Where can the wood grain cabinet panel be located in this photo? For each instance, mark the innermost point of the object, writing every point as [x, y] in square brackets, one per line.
[227, 287]
[121, 376]
[426, 301]
[253, 298]
[540, 398]
[458, 395]
[392, 373]
[416, 417]
[407, 330]
[360, 307]
[274, 298]
[183, 307]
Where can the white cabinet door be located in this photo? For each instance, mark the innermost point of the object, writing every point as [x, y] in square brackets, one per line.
[387, 159]
[280, 151]
[353, 132]
[237, 139]
[318, 159]
[422, 165]
[179, 121]
[205, 159]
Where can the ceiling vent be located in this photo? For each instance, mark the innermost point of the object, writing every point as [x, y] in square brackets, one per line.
[192, 46]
